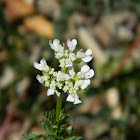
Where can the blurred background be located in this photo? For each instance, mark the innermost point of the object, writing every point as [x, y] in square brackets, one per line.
[110, 108]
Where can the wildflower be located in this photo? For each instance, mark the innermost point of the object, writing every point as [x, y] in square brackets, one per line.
[45, 78]
[62, 63]
[59, 85]
[71, 44]
[42, 66]
[52, 85]
[89, 73]
[58, 76]
[39, 78]
[55, 45]
[47, 83]
[68, 62]
[69, 82]
[88, 56]
[81, 75]
[66, 88]
[80, 54]
[51, 71]
[59, 55]
[73, 98]
[72, 72]
[72, 56]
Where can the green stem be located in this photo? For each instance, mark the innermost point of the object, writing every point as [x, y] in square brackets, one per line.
[58, 106]
[59, 100]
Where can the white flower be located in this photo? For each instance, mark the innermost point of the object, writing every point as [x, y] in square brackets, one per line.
[52, 85]
[76, 99]
[42, 66]
[72, 90]
[59, 55]
[78, 84]
[80, 74]
[70, 98]
[85, 84]
[54, 74]
[89, 73]
[39, 78]
[80, 54]
[72, 72]
[73, 98]
[88, 56]
[47, 83]
[68, 62]
[70, 81]
[51, 71]
[55, 45]
[62, 63]
[71, 44]
[59, 85]
[65, 77]
[71, 87]
[45, 78]
[72, 56]
[50, 92]
[66, 88]
[66, 53]
[59, 76]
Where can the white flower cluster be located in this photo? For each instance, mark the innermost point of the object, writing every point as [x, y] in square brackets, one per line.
[67, 80]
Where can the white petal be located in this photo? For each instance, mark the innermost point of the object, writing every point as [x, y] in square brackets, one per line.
[77, 101]
[89, 74]
[43, 62]
[37, 66]
[84, 86]
[39, 78]
[57, 93]
[50, 43]
[87, 59]
[56, 42]
[50, 92]
[86, 83]
[70, 98]
[88, 52]
[85, 68]
[74, 42]
[69, 43]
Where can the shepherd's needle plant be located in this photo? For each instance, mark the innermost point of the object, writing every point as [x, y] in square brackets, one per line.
[65, 81]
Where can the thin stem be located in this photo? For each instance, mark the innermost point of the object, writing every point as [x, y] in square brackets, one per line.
[58, 106]
[59, 100]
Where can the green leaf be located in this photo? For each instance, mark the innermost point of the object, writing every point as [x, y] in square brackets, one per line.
[30, 136]
[54, 128]
[74, 138]
[43, 125]
[49, 137]
[62, 119]
[51, 115]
